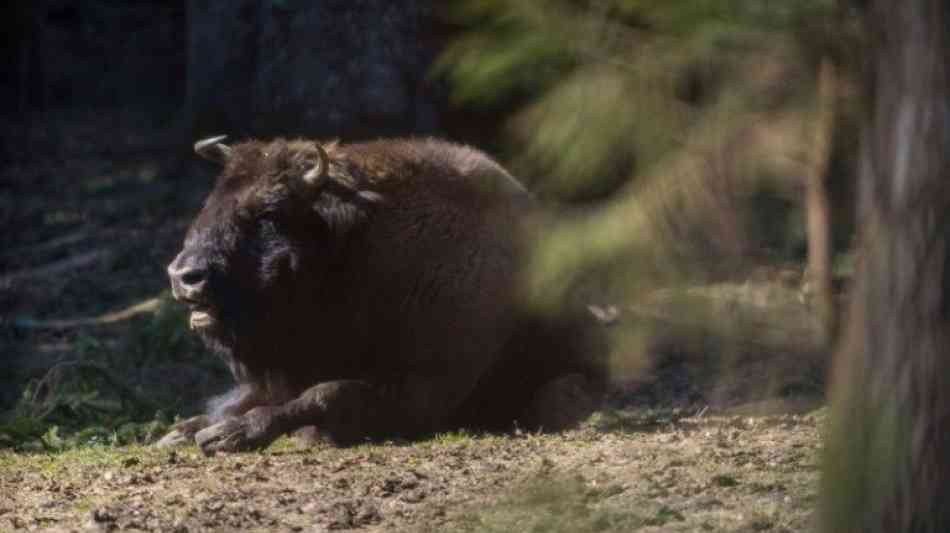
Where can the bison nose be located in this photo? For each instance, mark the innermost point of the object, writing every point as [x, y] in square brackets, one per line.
[188, 275]
[193, 277]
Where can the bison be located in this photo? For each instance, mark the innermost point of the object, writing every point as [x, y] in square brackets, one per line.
[372, 290]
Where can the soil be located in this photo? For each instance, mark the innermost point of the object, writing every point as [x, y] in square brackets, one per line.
[691, 474]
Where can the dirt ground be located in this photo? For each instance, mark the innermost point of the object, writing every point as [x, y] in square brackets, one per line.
[616, 474]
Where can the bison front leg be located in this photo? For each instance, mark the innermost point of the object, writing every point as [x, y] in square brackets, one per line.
[345, 412]
[183, 433]
[253, 430]
[236, 402]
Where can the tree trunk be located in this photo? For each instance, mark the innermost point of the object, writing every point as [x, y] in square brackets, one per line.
[887, 459]
[265, 68]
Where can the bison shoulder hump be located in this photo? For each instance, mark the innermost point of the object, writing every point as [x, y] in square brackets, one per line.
[434, 159]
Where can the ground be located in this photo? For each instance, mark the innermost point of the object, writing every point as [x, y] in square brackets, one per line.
[711, 421]
[617, 474]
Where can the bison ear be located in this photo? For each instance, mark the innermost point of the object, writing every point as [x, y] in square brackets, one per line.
[213, 149]
[317, 176]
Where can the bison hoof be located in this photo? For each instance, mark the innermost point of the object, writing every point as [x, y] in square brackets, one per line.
[183, 433]
[174, 438]
[251, 431]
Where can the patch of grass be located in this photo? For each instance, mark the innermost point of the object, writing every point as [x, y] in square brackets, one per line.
[665, 515]
[724, 480]
[283, 445]
[452, 437]
[65, 463]
[102, 396]
[558, 505]
[41, 436]
[636, 420]
[80, 403]
[20, 429]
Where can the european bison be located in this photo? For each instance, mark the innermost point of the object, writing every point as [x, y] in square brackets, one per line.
[372, 290]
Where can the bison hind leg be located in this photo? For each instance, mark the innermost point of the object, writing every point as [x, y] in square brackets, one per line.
[561, 404]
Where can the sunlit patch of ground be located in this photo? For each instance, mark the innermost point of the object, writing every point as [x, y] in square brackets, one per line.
[691, 474]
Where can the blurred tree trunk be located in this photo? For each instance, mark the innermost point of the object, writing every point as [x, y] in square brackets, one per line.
[28, 25]
[222, 61]
[887, 458]
[340, 69]
[817, 207]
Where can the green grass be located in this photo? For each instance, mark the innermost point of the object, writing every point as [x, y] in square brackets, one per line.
[453, 437]
[556, 505]
[90, 456]
[94, 397]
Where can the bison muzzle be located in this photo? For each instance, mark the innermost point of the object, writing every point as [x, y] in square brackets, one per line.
[372, 290]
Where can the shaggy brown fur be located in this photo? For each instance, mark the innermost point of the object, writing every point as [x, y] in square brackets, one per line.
[372, 290]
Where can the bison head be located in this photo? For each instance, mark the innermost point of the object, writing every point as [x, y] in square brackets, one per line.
[266, 234]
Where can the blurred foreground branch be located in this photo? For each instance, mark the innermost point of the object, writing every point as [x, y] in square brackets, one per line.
[147, 306]
[817, 206]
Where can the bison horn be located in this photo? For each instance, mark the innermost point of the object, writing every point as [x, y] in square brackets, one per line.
[317, 174]
[213, 149]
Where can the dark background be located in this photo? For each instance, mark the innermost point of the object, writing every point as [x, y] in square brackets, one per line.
[100, 102]
[349, 69]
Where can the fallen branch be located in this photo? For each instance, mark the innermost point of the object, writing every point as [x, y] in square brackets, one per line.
[148, 306]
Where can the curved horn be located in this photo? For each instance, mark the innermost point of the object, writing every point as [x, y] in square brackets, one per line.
[317, 174]
[213, 149]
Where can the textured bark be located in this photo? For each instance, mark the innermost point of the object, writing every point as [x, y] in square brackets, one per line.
[328, 68]
[251, 68]
[887, 461]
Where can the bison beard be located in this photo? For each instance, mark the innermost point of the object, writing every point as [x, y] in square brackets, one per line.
[371, 290]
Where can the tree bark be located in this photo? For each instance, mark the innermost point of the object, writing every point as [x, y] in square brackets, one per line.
[887, 458]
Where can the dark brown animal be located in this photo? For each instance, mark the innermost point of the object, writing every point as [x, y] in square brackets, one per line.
[372, 290]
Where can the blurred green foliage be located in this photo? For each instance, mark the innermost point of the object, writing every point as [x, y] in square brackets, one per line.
[683, 131]
[615, 85]
[688, 120]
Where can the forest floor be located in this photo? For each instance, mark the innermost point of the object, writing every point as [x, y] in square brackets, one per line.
[717, 473]
[712, 425]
